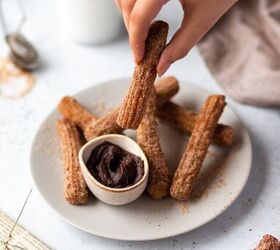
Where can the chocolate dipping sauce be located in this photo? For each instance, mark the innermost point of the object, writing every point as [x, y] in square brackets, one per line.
[115, 167]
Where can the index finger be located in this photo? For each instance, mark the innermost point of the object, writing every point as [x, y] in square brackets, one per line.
[141, 16]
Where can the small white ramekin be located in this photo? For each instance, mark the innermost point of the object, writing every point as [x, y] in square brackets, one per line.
[114, 196]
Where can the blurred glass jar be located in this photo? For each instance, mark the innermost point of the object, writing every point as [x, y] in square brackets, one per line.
[90, 21]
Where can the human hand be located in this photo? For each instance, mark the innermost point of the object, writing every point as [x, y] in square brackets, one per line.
[199, 17]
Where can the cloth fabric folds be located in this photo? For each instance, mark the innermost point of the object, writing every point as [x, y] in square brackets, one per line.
[242, 51]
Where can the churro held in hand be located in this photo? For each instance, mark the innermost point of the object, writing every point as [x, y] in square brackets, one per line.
[75, 189]
[195, 152]
[147, 138]
[144, 75]
[184, 120]
[166, 88]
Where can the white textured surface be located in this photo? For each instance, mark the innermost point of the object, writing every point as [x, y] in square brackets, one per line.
[67, 68]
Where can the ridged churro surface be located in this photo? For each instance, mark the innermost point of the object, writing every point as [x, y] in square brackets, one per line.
[195, 152]
[75, 189]
[184, 120]
[268, 242]
[166, 88]
[147, 138]
[75, 112]
[134, 105]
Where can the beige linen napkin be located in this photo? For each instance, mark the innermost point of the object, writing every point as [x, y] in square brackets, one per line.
[242, 51]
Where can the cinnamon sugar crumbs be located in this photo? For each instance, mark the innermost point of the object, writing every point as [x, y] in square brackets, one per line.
[207, 181]
[101, 108]
[184, 208]
[14, 82]
[221, 183]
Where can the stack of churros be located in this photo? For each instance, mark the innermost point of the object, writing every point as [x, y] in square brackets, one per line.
[145, 105]
[76, 118]
[203, 127]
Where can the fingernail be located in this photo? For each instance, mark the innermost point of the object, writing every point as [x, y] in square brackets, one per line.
[163, 70]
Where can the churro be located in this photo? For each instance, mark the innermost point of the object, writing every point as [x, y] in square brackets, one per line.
[147, 138]
[70, 109]
[268, 242]
[195, 152]
[75, 189]
[184, 120]
[104, 125]
[165, 89]
[135, 102]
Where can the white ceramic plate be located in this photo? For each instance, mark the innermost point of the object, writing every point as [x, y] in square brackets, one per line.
[146, 219]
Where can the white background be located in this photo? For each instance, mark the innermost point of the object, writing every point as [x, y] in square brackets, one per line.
[68, 67]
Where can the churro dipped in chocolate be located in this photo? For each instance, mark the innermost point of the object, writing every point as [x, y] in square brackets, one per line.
[268, 242]
[135, 102]
[147, 138]
[165, 89]
[75, 188]
[193, 157]
[184, 120]
[70, 109]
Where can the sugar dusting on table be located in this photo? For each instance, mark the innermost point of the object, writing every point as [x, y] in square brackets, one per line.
[14, 82]
[209, 180]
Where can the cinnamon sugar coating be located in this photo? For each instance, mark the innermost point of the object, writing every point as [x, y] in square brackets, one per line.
[75, 188]
[195, 152]
[147, 138]
[144, 75]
